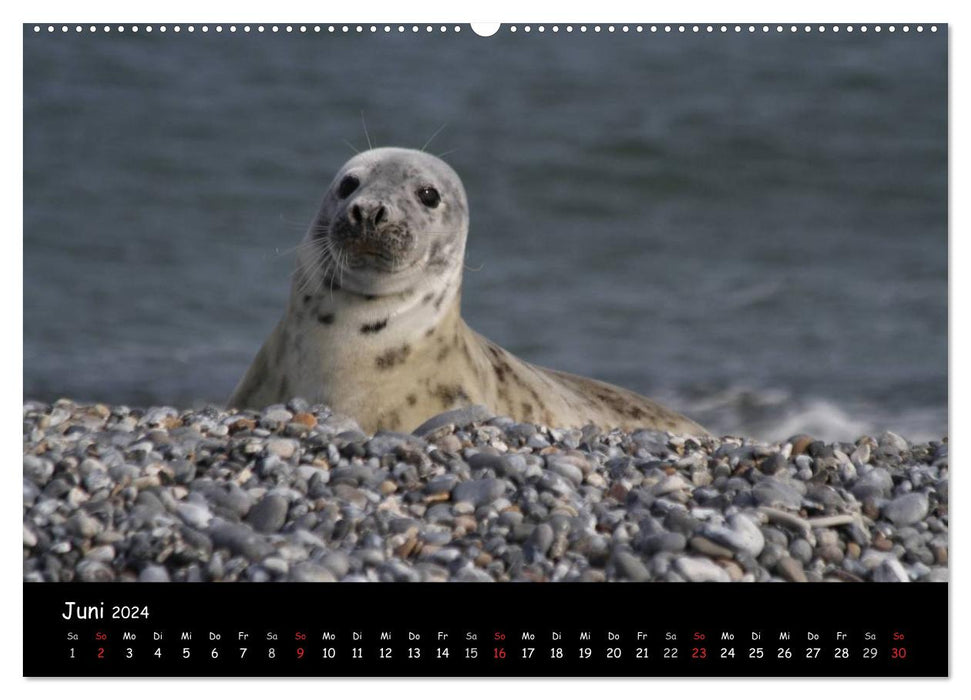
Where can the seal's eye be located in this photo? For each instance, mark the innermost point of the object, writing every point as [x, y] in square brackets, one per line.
[347, 186]
[429, 197]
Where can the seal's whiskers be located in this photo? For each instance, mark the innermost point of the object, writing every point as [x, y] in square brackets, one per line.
[432, 137]
[366, 135]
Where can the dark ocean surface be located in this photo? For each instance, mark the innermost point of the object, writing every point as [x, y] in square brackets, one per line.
[750, 228]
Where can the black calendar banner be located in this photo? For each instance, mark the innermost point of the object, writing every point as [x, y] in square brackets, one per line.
[562, 629]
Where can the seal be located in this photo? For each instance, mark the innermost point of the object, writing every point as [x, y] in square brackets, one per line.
[373, 325]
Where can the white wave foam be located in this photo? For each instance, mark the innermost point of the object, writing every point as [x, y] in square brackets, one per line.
[774, 415]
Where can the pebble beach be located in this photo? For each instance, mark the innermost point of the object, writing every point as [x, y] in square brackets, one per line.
[296, 493]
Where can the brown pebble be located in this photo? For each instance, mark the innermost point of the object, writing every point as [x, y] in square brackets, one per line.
[870, 509]
[791, 570]
[712, 549]
[533, 574]
[146, 482]
[464, 524]
[940, 555]
[172, 422]
[307, 419]
[406, 547]
[618, 492]
[800, 443]
[440, 432]
[735, 572]
[437, 497]
[559, 547]
[242, 424]
[743, 468]
[388, 487]
[840, 575]
[853, 550]
[830, 553]
[882, 543]
[593, 576]
[450, 443]
[483, 559]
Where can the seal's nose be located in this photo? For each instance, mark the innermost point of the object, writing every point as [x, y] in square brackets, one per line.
[372, 213]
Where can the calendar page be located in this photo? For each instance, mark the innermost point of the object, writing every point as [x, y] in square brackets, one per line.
[432, 350]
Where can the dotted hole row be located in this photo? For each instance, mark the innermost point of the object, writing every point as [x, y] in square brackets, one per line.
[346, 29]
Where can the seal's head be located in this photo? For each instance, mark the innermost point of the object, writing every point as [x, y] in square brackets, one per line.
[390, 217]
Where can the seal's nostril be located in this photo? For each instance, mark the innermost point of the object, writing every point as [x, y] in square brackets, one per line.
[355, 214]
[380, 214]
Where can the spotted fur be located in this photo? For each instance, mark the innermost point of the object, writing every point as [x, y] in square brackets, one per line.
[375, 327]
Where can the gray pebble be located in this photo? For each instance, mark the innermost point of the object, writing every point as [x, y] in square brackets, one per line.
[94, 571]
[153, 574]
[630, 567]
[478, 492]
[338, 563]
[96, 480]
[699, 570]
[239, 539]
[539, 541]
[680, 520]
[777, 493]
[283, 448]
[458, 417]
[907, 509]
[893, 441]
[771, 554]
[801, 550]
[565, 469]
[890, 571]
[791, 569]
[277, 566]
[671, 484]
[741, 535]
[30, 539]
[194, 515]
[37, 469]
[876, 482]
[269, 514]
[83, 525]
[663, 542]
[308, 572]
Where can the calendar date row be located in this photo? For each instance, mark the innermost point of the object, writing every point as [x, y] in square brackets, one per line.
[496, 653]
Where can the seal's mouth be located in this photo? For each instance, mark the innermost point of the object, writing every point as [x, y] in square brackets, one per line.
[363, 253]
[386, 248]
